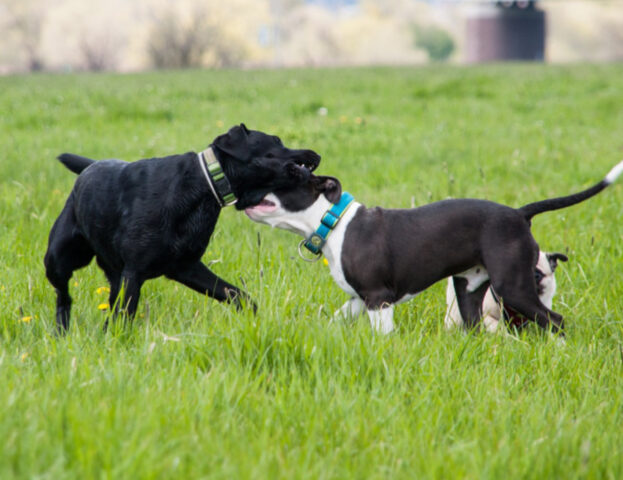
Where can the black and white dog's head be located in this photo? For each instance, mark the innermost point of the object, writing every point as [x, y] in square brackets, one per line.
[291, 208]
[544, 275]
[257, 163]
[545, 284]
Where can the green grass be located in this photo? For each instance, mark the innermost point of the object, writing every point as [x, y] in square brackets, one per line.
[197, 390]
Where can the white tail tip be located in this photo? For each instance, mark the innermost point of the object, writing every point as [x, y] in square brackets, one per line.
[614, 173]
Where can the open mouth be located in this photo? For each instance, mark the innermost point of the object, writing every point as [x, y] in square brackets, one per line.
[310, 160]
[265, 206]
[266, 203]
[311, 166]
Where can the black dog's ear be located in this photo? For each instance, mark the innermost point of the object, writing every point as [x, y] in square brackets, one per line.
[234, 142]
[330, 187]
[554, 257]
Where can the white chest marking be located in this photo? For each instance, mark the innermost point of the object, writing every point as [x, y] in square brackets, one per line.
[333, 250]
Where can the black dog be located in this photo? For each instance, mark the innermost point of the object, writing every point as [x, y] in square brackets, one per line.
[155, 217]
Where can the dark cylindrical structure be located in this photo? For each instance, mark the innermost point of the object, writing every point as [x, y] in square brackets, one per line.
[505, 31]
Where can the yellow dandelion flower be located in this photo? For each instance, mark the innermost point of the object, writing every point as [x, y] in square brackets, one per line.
[358, 120]
[219, 123]
[103, 306]
[343, 119]
[75, 284]
[24, 356]
[26, 319]
[101, 290]
[325, 261]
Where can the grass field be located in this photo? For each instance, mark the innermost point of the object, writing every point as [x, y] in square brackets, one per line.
[197, 390]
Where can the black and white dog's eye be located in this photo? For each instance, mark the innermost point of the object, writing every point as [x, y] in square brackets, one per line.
[538, 276]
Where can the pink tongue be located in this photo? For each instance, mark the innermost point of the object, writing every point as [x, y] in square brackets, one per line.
[263, 206]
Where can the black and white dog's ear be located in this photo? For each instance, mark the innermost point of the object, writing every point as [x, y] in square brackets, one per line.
[554, 257]
[330, 187]
[235, 142]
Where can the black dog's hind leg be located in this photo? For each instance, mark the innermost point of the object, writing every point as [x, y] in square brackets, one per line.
[199, 277]
[67, 251]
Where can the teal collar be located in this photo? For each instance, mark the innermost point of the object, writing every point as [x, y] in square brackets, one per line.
[330, 219]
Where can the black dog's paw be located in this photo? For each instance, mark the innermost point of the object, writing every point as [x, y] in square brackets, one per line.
[240, 299]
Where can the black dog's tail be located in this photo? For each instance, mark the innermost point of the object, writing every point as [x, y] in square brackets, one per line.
[535, 208]
[75, 163]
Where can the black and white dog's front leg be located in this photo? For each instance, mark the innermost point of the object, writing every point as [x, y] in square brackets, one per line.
[381, 317]
[380, 309]
[351, 309]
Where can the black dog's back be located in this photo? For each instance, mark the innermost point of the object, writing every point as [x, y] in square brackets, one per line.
[75, 163]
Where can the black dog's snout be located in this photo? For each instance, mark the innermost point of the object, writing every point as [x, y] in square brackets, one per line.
[307, 158]
[299, 173]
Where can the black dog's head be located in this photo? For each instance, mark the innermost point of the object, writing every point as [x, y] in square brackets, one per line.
[256, 163]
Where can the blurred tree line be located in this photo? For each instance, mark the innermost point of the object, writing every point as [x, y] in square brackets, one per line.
[122, 35]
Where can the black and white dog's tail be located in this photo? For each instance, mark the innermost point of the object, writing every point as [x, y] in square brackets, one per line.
[535, 208]
[75, 163]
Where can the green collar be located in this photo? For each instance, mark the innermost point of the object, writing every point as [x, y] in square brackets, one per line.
[218, 182]
[330, 219]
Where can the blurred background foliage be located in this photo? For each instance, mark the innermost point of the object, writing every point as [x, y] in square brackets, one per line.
[120, 35]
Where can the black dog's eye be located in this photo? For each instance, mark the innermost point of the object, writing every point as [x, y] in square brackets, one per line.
[538, 276]
[269, 155]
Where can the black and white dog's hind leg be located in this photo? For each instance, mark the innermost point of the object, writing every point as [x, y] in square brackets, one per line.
[465, 307]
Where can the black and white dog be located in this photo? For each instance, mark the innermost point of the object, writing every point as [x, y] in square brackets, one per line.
[382, 257]
[155, 216]
[468, 301]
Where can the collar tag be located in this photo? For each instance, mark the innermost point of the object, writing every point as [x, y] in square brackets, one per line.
[218, 182]
[329, 221]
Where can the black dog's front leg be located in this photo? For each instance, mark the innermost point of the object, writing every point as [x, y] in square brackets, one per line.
[114, 279]
[131, 289]
[198, 277]
[125, 291]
